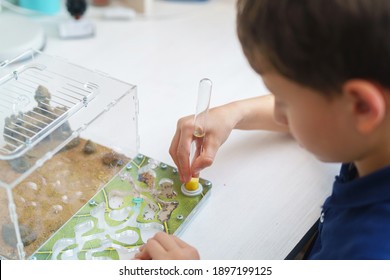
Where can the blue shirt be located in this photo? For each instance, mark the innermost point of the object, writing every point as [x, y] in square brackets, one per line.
[355, 219]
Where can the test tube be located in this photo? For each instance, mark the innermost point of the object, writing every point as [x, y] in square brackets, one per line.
[193, 187]
[202, 108]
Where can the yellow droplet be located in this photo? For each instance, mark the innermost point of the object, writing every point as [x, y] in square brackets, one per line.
[193, 184]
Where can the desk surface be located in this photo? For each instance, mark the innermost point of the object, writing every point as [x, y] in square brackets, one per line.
[267, 191]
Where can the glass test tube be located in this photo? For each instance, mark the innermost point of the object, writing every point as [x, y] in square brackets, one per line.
[200, 118]
[200, 122]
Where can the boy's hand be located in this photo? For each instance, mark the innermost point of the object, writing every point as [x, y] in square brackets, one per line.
[166, 247]
[219, 126]
[248, 114]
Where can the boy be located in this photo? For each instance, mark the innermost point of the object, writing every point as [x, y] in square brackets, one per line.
[326, 63]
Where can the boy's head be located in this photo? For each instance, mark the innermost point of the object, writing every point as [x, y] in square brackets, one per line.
[319, 43]
[327, 63]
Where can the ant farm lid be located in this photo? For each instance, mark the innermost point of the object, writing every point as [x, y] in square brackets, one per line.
[46, 103]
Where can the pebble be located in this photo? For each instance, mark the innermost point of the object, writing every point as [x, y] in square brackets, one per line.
[113, 159]
[89, 147]
[20, 164]
[8, 232]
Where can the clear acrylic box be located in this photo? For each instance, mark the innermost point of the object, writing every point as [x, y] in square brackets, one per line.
[66, 131]
[72, 183]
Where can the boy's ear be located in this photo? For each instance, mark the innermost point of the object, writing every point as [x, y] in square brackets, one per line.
[368, 104]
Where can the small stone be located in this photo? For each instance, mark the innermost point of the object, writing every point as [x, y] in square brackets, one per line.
[20, 164]
[78, 194]
[65, 199]
[42, 95]
[113, 159]
[32, 186]
[72, 144]
[57, 209]
[89, 147]
[9, 236]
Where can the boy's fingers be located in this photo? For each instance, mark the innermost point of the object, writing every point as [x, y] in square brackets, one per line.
[152, 250]
[183, 155]
[180, 242]
[206, 158]
[165, 240]
[140, 249]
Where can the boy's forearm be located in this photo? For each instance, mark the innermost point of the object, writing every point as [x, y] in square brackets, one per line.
[257, 114]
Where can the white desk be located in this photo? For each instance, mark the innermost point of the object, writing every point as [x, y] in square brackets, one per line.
[267, 191]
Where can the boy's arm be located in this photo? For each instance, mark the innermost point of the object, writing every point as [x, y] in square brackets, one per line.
[256, 114]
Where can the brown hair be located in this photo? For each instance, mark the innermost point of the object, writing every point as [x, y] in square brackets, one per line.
[318, 43]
